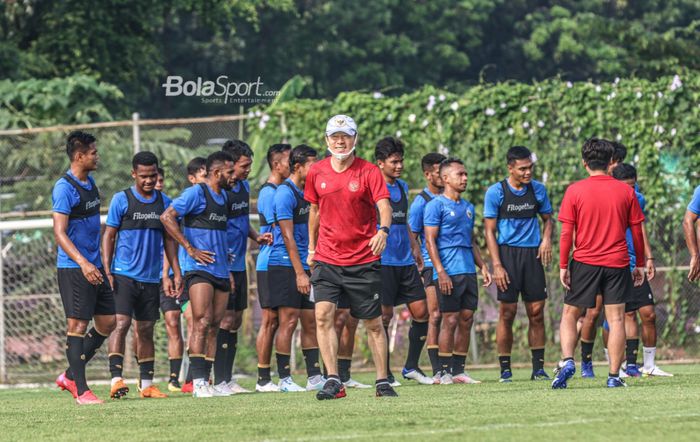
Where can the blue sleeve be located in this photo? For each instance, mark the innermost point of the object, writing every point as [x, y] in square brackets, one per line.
[117, 209]
[694, 205]
[64, 197]
[191, 200]
[284, 203]
[493, 201]
[642, 203]
[432, 215]
[266, 203]
[166, 201]
[542, 198]
[415, 214]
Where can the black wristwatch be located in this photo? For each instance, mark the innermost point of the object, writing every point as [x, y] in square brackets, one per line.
[384, 229]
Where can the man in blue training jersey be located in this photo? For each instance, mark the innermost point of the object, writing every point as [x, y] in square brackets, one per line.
[519, 253]
[401, 261]
[289, 274]
[278, 161]
[205, 212]
[132, 247]
[690, 222]
[430, 164]
[449, 225]
[82, 282]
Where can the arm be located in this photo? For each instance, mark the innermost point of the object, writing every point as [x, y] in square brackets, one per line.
[691, 241]
[499, 272]
[265, 238]
[444, 280]
[565, 243]
[649, 263]
[415, 248]
[480, 263]
[171, 256]
[108, 240]
[169, 220]
[287, 228]
[60, 232]
[378, 242]
[314, 223]
[545, 251]
[638, 241]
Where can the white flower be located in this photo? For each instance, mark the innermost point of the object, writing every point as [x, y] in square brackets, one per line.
[258, 113]
[676, 83]
[545, 176]
[454, 106]
[262, 124]
[398, 134]
[658, 145]
[441, 97]
[489, 111]
[524, 109]
[598, 88]
[526, 125]
[569, 84]
[443, 150]
[673, 132]
[431, 103]
[377, 95]
[639, 95]
[636, 158]
[412, 118]
[617, 80]
[577, 130]
[503, 105]
[660, 94]
[659, 129]
[265, 118]
[533, 157]
[618, 137]
[251, 114]
[656, 114]
[531, 131]
[511, 131]
[540, 123]
[424, 123]
[389, 117]
[539, 89]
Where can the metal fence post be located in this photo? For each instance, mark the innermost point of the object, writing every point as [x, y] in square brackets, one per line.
[3, 366]
[136, 132]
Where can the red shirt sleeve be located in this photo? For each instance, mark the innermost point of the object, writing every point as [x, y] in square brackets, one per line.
[567, 211]
[310, 194]
[565, 242]
[377, 186]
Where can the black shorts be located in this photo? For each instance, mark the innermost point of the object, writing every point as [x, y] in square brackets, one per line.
[587, 281]
[82, 300]
[263, 289]
[283, 289]
[465, 294]
[401, 285]
[198, 276]
[360, 284]
[238, 298]
[427, 277]
[641, 297]
[525, 272]
[137, 299]
[168, 303]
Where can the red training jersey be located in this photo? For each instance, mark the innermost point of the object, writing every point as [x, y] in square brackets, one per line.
[348, 215]
[601, 209]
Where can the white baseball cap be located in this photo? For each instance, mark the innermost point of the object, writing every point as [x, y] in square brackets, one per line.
[341, 123]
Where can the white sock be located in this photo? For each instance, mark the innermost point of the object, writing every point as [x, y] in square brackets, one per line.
[145, 383]
[199, 382]
[649, 356]
[115, 380]
[607, 356]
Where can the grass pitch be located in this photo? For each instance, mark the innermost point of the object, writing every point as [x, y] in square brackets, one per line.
[650, 409]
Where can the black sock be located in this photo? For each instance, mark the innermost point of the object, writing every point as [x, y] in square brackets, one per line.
[222, 350]
[188, 376]
[334, 378]
[208, 364]
[504, 362]
[146, 369]
[344, 369]
[445, 361]
[416, 338]
[381, 381]
[199, 367]
[586, 351]
[175, 365]
[458, 363]
[311, 360]
[537, 359]
[263, 375]
[631, 349]
[567, 359]
[614, 375]
[231, 355]
[76, 361]
[388, 354]
[283, 365]
[93, 341]
[116, 365]
[434, 360]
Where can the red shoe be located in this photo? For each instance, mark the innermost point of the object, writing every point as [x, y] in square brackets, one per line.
[66, 384]
[88, 398]
[187, 387]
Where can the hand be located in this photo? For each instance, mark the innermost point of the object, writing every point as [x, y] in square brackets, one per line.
[232, 282]
[110, 279]
[378, 243]
[201, 256]
[303, 283]
[92, 273]
[444, 283]
[310, 259]
[264, 238]
[694, 272]
[419, 262]
[651, 269]
[638, 276]
[486, 275]
[168, 286]
[544, 253]
[565, 278]
[501, 277]
[178, 286]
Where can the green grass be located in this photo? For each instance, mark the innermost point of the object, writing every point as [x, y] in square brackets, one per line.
[650, 409]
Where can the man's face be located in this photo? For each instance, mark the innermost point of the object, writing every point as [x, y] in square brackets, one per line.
[455, 176]
[198, 177]
[630, 182]
[242, 168]
[433, 176]
[280, 163]
[159, 182]
[227, 175]
[392, 166]
[145, 177]
[88, 159]
[304, 170]
[340, 142]
[521, 170]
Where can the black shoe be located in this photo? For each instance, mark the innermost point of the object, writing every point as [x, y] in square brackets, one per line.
[332, 389]
[385, 390]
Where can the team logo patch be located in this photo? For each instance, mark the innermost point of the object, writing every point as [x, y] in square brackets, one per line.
[452, 213]
[323, 185]
[469, 214]
[339, 122]
[353, 186]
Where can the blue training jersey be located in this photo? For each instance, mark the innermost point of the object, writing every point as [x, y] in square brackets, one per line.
[238, 225]
[289, 204]
[455, 220]
[398, 244]
[415, 221]
[266, 210]
[628, 233]
[694, 205]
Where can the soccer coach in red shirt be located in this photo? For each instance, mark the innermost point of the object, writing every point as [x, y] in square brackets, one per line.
[598, 211]
[345, 246]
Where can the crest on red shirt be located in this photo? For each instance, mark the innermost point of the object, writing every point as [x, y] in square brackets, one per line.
[353, 186]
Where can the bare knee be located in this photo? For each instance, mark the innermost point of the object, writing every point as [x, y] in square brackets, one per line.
[121, 326]
[435, 317]
[648, 317]
[508, 313]
[536, 316]
[386, 318]
[449, 320]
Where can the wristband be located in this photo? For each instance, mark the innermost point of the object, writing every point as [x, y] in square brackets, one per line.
[384, 229]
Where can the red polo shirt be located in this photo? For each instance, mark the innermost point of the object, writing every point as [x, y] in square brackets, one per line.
[347, 211]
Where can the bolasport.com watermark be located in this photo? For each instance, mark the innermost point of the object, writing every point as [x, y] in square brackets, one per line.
[219, 91]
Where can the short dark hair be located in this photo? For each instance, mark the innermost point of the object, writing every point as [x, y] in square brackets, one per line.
[217, 158]
[144, 159]
[237, 149]
[78, 141]
[387, 147]
[301, 154]
[516, 153]
[195, 165]
[430, 160]
[620, 152]
[597, 153]
[447, 162]
[161, 172]
[625, 171]
[274, 150]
